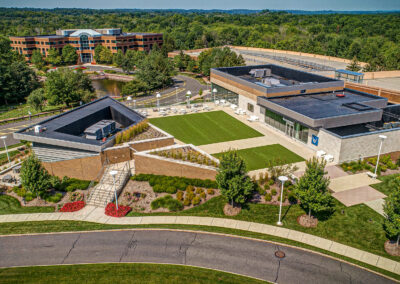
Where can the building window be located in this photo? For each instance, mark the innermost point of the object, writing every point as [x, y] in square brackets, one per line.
[250, 107]
[84, 42]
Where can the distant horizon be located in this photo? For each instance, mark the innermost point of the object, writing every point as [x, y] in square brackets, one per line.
[209, 5]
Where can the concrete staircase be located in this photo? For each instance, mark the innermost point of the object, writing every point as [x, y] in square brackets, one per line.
[104, 191]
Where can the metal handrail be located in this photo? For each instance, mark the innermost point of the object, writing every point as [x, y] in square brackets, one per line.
[100, 173]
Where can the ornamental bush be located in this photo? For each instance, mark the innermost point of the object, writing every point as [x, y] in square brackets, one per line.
[167, 202]
[274, 192]
[73, 206]
[196, 200]
[268, 197]
[111, 210]
[180, 183]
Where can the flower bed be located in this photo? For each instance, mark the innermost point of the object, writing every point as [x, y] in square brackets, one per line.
[186, 154]
[73, 206]
[112, 211]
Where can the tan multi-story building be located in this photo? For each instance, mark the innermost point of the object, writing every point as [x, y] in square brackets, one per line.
[85, 41]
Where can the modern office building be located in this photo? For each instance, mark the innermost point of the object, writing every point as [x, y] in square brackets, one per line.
[85, 41]
[314, 110]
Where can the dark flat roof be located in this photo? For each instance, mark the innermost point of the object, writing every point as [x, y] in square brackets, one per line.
[67, 129]
[326, 104]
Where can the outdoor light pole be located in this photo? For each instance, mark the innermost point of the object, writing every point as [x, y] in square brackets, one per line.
[188, 94]
[113, 173]
[282, 179]
[129, 99]
[5, 146]
[382, 137]
[134, 104]
[158, 96]
[214, 92]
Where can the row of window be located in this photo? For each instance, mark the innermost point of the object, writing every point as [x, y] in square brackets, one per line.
[91, 41]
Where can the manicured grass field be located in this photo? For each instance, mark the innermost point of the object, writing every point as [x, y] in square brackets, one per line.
[120, 273]
[257, 157]
[11, 205]
[205, 128]
[385, 186]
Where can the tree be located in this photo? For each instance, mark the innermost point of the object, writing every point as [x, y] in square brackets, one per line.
[34, 177]
[37, 59]
[106, 56]
[391, 209]
[155, 70]
[312, 188]
[354, 65]
[118, 58]
[53, 57]
[218, 57]
[37, 99]
[134, 87]
[97, 51]
[232, 178]
[66, 86]
[17, 80]
[69, 55]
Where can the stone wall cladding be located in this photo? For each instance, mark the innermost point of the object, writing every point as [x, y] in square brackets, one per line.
[330, 144]
[84, 168]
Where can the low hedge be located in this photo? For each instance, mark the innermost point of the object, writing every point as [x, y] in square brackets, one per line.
[173, 184]
[167, 202]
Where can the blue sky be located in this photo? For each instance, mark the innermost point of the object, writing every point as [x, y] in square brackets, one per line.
[211, 4]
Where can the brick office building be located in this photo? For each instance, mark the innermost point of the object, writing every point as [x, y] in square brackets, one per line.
[85, 41]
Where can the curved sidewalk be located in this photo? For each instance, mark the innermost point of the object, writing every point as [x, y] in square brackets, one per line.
[93, 214]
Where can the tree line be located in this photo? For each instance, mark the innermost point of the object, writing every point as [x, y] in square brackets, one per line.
[372, 38]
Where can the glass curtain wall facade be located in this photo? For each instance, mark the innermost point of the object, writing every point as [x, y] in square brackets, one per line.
[290, 128]
[225, 94]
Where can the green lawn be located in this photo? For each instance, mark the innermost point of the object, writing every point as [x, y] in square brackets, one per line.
[23, 110]
[11, 205]
[120, 273]
[205, 128]
[385, 186]
[257, 157]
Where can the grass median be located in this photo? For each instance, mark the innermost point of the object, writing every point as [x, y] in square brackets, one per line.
[120, 273]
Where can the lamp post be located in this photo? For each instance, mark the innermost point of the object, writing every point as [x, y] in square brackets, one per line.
[188, 94]
[214, 92]
[134, 104]
[176, 94]
[5, 146]
[113, 173]
[282, 179]
[129, 99]
[29, 112]
[158, 96]
[382, 137]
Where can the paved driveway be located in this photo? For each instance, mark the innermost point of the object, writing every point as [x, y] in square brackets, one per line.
[232, 254]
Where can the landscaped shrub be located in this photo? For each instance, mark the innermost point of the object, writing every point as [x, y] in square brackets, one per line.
[54, 198]
[187, 202]
[19, 190]
[203, 195]
[274, 192]
[29, 196]
[76, 196]
[111, 210]
[179, 195]
[73, 206]
[267, 187]
[167, 202]
[164, 188]
[271, 182]
[131, 132]
[199, 190]
[71, 184]
[268, 197]
[210, 191]
[190, 195]
[292, 198]
[196, 200]
[180, 183]
[189, 188]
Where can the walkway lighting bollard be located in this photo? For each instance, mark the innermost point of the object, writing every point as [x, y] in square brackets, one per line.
[158, 96]
[282, 179]
[214, 92]
[188, 94]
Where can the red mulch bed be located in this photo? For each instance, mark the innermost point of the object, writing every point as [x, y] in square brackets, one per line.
[73, 206]
[307, 222]
[391, 248]
[111, 210]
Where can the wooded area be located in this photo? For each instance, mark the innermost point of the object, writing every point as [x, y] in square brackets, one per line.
[372, 38]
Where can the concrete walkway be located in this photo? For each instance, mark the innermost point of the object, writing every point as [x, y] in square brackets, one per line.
[94, 214]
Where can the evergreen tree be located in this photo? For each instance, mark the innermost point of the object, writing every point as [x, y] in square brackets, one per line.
[232, 178]
[391, 209]
[34, 177]
[354, 65]
[118, 58]
[218, 57]
[69, 55]
[312, 188]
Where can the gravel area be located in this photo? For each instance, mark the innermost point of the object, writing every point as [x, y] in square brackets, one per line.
[150, 133]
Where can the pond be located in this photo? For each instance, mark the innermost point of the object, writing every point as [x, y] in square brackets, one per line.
[108, 87]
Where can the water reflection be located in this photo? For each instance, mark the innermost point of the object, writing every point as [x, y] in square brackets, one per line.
[107, 87]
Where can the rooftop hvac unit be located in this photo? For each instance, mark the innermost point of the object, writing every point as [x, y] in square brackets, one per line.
[39, 128]
[260, 73]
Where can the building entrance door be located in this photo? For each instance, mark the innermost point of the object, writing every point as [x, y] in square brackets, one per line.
[289, 128]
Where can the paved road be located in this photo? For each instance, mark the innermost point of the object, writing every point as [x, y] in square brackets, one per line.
[9, 128]
[232, 254]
